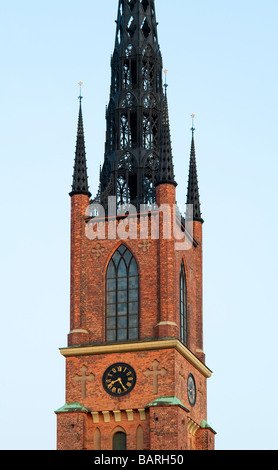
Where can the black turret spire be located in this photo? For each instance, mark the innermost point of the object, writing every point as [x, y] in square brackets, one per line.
[135, 110]
[80, 177]
[193, 196]
[166, 167]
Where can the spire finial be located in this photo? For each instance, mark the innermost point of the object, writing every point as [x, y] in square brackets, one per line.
[165, 84]
[80, 97]
[192, 128]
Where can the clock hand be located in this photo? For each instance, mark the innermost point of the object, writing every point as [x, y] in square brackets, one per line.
[120, 380]
[114, 381]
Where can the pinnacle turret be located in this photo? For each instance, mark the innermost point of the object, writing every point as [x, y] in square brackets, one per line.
[80, 177]
[193, 197]
[166, 167]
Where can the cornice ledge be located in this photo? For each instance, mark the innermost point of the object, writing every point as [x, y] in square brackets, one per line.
[171, 343]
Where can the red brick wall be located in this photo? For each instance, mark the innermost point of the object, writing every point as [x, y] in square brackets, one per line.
[205, 440]
[159, 274]
[71, 431]
[174, 383]
[168, 428]
[159, 271]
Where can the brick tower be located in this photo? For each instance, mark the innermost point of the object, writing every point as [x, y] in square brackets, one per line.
[136, 377]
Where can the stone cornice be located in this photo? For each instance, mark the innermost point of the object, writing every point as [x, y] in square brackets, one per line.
[139, 346]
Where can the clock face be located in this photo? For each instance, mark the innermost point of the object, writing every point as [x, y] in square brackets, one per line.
[119, 379]
[191, 390]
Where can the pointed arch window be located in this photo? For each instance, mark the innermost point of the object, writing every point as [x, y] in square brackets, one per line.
[183, 306]
[119, 441]
[122, 297]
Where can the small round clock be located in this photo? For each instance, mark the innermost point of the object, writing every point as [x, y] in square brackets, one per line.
[119, 379]
[191, 390]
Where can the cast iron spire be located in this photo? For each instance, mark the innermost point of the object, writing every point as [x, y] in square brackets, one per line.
[136, 22]
[135, 110]
[193, 196]
[80, 177]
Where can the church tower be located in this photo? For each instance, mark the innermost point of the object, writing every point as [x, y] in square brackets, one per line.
[136, 377]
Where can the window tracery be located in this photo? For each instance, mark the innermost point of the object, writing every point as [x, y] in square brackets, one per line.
[122, 297]
[150, 178]
[126, 180]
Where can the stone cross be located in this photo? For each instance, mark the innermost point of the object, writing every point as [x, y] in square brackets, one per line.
[182, 374]
[83, 378]
[98, 250]
[145, 245]
[156, 372]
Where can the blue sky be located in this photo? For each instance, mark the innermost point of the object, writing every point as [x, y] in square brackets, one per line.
[222, 62]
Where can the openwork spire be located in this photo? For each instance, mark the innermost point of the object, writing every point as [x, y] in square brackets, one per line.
[166, 167]
[193, 196]
[135, 110]
[136, 23]
[80, 177]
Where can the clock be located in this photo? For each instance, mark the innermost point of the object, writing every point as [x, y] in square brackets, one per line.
[191, 390]
[119, 379]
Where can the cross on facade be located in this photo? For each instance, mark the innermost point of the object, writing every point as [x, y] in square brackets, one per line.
[156, 372]
[98, 250]
[145, 245]
[200, 390]
[83, 378]
[182, 374]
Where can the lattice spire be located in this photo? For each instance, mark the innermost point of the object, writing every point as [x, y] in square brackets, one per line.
[135, 110]
[136, 23]
[80, 177]
[193, 196]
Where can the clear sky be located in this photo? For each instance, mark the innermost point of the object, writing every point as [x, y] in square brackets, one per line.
[222, 62]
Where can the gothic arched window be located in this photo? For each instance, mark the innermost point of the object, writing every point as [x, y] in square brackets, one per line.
[183, 306]
[122, 297]
[119, 441]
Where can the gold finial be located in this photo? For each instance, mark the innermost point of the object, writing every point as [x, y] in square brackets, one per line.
[80, 97]
[166, 85]
[192, 116]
